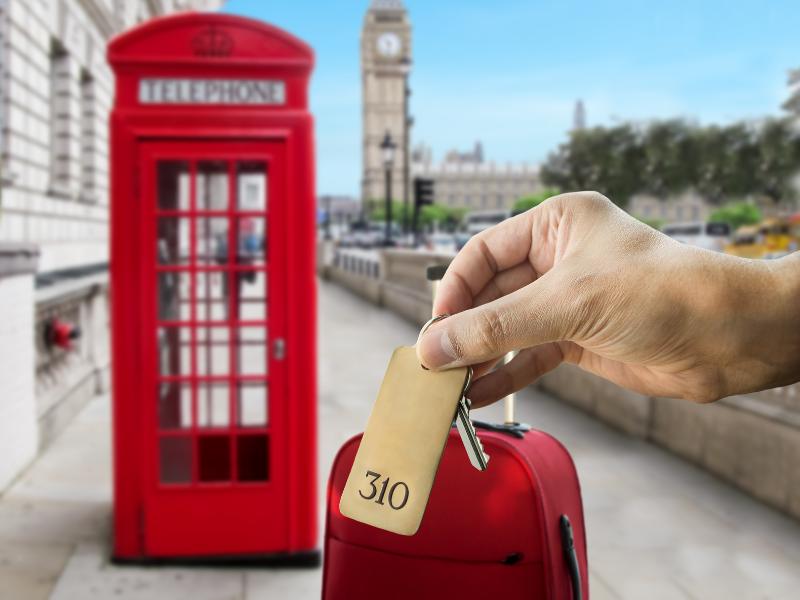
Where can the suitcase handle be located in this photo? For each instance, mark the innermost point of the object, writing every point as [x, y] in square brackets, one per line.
[517, 430]
[571, 556]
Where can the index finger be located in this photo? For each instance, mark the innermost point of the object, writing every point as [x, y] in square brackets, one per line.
[486, 254]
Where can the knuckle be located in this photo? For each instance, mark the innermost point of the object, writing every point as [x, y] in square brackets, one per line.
[704, 386]
[489, 331]
[588, 201]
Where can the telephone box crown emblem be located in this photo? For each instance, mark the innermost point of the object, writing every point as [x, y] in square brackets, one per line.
[212, 42]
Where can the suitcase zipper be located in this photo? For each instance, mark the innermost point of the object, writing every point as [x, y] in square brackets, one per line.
[571, 556]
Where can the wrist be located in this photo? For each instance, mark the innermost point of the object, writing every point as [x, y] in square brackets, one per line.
[762, 315]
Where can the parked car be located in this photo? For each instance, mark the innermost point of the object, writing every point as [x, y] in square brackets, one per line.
[711, 236]
[441, 242]
[477, 221]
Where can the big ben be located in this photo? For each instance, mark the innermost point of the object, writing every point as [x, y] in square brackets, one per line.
[385, 64]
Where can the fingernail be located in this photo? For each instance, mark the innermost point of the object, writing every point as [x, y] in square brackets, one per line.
[436, 350]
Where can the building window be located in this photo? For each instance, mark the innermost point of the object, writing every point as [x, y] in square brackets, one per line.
[60, 138]
[88, 137]
[499, 201]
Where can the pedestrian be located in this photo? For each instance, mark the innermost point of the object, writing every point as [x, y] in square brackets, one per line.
[578, 280]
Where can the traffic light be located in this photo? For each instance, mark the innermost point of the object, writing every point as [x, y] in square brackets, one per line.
[423, 194]
[423, 191]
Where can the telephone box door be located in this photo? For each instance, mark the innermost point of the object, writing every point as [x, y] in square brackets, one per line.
[213, 229]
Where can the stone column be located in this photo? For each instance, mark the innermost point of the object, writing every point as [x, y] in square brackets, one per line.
[18, 429]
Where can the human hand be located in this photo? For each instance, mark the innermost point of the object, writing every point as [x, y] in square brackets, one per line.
[577, 279]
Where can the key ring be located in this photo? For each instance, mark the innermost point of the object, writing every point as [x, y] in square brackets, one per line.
[431, 321]
[425, 328]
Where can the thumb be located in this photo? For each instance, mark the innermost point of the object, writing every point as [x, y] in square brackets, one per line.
[532, 315]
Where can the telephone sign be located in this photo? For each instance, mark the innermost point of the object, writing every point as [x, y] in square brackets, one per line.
[211, 91]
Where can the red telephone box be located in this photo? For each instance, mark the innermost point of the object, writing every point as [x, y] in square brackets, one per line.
[214, 302]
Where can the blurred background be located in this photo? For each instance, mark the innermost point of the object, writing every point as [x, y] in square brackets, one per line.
[434, 121]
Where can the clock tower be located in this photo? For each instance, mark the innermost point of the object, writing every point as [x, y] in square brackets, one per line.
[385, 66]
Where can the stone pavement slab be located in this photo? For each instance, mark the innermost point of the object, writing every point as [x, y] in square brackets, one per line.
[658, 528]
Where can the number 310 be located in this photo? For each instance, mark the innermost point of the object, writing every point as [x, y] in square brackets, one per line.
[384, 484]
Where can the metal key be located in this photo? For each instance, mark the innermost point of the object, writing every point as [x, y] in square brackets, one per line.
[469, 436]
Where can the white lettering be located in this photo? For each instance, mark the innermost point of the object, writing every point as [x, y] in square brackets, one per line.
[212, 91]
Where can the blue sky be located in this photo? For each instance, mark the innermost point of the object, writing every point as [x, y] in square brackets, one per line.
[508, 72]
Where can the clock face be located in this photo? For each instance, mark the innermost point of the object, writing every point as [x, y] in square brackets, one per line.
[389, 44]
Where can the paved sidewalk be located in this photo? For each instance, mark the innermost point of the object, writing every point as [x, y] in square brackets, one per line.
[658, 527]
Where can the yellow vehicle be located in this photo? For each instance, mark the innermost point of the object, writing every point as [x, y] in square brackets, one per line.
[747, 243]
[776, 234]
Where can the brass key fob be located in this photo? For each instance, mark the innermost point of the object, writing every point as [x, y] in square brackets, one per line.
[393, 472]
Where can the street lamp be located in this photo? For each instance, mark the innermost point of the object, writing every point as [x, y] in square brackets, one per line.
[408, 121]
[388, 148]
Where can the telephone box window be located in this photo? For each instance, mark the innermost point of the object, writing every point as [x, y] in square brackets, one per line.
[252, 453]
[212, 185]
[253, 404]
[174, 405]
[173, 241]
[175, 458]
[252, 186]
[252, 241]
[212, 241]
[174, 302]
[252, 292]
[211, 292]
[252, 345]
[174, 351]
[215, 458]
[173, 185]
[213, 404]
[213, 351]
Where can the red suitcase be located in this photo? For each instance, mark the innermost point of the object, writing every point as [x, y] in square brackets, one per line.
[513, 531]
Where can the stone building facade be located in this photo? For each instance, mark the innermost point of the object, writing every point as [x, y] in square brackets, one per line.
[55, 97]
[680, 208]
[466, 180]
[385, 66]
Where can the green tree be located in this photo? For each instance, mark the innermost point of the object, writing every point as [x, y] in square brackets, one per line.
[608, 160]
[669, 157]
[378, 211]
[737, 214]
[528, 202]
[778, 146]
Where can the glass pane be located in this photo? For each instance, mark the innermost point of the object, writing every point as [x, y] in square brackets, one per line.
[213, 351]
[212, 296]
[252, 185]
[252, 457]
[173, 241]
[174, 299]
[173, 185]
[213, 404]
[212, 241]
[253, 402]
[252, 288]
[174, 351]
[174, 405]
[212, 185]
[215, 457]
[252, 241]
[252, 344]
[175, 458]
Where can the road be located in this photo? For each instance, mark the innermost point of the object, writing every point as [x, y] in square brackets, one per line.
[658, 528]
